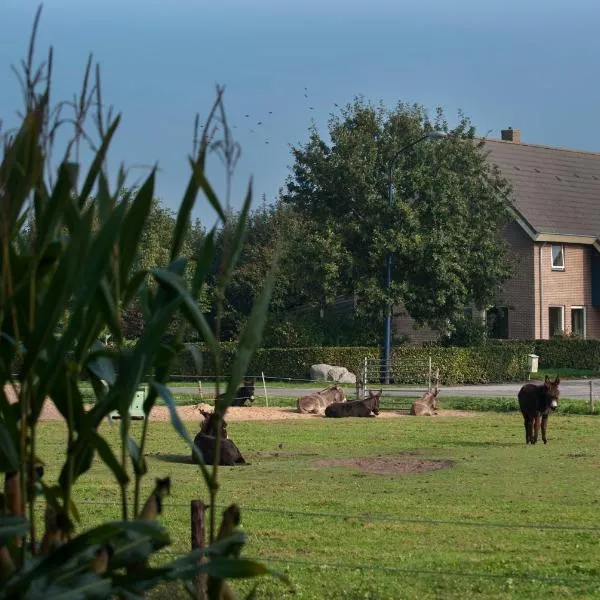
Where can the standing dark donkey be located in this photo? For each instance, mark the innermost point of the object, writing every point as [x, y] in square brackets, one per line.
[229, 454]
[243, 394]
[536, 402]
[369, 407]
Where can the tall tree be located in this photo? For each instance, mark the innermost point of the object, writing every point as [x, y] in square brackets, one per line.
[443, 225]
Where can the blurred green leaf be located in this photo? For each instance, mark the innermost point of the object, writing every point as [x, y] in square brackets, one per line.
[182, 224]
[205, 186]
[108, 457]
[134, 223]
[86, 585]
[190, 308]
[250, 339]
[8, 451]
[97, 163]
[48, 222]
[165, 395]
[11, 527]
[237, 242]
[139, 462]
[100, 364]
[59, 290]
[205, 257]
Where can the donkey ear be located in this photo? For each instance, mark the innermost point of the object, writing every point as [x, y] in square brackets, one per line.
[557, 380]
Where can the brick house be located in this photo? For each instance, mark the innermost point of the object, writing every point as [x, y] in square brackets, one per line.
[554, 243]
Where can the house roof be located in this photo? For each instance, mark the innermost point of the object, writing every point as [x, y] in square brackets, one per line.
[555, 190]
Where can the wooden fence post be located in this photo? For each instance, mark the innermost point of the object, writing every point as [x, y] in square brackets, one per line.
[429, 376]
[265, 389]
[591, 397]
[197, 513]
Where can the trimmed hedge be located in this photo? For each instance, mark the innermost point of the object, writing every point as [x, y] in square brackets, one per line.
[568, 353]
[492, 362]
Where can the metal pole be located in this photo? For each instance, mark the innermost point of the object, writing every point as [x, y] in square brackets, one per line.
[388, 320]
[431, 135]
[591, 397]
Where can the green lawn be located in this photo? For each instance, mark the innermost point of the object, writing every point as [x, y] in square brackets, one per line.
[566, 373]
[470, 531]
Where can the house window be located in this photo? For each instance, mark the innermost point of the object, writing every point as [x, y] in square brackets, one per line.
[556, 320]
[497, 322]
[578, 321]
[558, 258]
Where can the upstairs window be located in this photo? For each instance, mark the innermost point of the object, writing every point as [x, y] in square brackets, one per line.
[558, 258]
[497, 322]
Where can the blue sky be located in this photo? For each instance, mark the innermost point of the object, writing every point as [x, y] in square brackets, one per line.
[530, 64]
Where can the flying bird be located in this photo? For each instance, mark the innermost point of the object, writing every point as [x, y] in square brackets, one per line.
[246, 116]
[259, 123]
[270, 112]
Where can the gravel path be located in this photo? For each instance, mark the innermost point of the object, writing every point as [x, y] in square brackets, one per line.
[252, 413]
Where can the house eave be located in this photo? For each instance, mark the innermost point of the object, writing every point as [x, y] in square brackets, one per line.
[560, 238]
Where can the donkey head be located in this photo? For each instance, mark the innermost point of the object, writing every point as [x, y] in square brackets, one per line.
[373, 401]
[551, 390]
[209, 425]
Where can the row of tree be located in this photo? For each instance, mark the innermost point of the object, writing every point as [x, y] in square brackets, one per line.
[333, 228]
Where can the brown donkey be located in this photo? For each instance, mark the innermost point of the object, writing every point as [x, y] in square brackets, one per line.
[536, 403]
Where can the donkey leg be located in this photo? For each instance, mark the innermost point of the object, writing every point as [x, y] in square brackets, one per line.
[544, 425]
[527, 423]
[537, 429]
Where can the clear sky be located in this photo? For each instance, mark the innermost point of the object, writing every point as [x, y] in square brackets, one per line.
[529, 64]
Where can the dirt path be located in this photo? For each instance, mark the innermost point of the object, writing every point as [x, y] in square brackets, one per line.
[253, 413]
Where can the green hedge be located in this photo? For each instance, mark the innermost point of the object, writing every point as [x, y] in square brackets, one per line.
[568, 353]
[492, 362]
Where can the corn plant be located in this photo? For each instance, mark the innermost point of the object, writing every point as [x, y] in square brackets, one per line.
[68, 244]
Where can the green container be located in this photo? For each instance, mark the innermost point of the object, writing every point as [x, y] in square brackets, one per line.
[136, 409]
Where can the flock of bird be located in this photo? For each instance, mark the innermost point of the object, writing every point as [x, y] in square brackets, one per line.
[258, 126]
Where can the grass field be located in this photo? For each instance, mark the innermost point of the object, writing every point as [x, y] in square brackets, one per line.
[476, 530]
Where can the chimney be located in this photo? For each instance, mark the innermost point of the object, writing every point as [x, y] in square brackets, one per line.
[511, 135]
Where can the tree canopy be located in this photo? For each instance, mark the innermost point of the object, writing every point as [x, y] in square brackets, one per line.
[443, 226]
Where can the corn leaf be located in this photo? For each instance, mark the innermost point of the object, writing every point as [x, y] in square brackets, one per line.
[96, 165]
[165, 394]
[250, 338]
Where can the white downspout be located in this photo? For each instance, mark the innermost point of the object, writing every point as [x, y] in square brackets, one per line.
[541, 292]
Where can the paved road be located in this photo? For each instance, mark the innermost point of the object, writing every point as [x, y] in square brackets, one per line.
[574, 388]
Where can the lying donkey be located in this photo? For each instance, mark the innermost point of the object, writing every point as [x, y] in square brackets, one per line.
[229, 455]
[317, 402]
[427, 405]
[369, 407]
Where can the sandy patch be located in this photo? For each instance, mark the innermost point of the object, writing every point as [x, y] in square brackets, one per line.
[242, 413]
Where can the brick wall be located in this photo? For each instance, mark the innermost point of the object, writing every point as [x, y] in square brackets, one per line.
[567, 288]
[519, 291]
[404, 325]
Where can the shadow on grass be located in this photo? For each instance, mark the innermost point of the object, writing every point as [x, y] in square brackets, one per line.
[173, 458]
[490, 444]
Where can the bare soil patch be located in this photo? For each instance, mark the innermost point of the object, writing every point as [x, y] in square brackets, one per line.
[389, 465]
[240, 413]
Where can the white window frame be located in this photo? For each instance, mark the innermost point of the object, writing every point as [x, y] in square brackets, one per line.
[562, 318]
[562, 249]
[582, 308]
